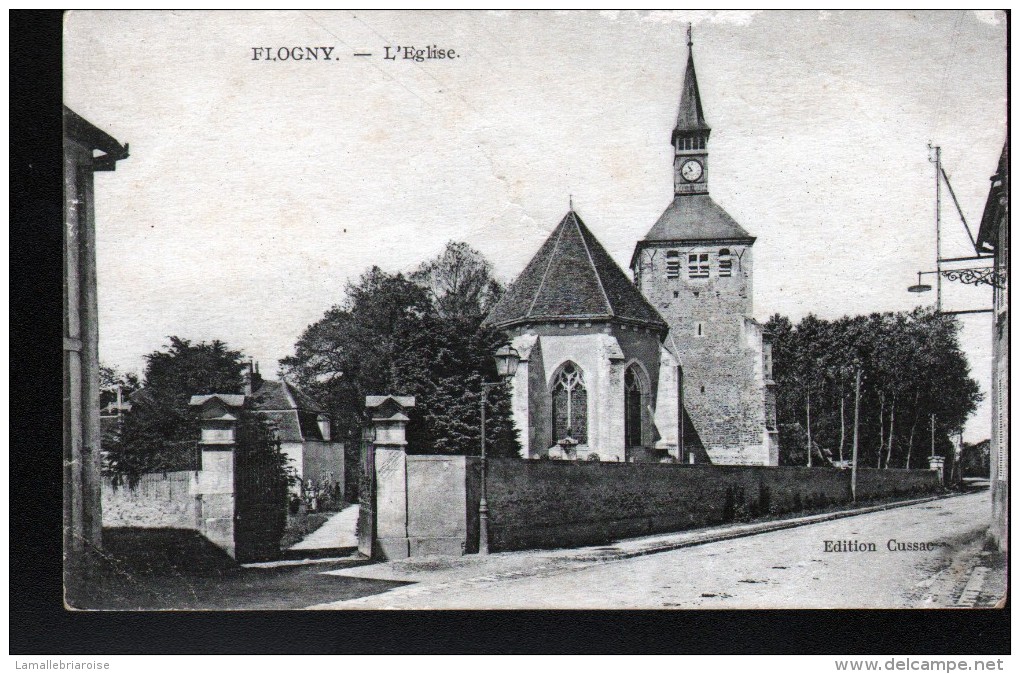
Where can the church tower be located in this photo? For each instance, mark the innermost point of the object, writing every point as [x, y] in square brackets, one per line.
[695, 267]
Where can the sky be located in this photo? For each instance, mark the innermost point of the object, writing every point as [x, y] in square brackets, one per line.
[257, 189]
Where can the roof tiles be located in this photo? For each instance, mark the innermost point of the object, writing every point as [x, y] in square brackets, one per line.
[572, 277]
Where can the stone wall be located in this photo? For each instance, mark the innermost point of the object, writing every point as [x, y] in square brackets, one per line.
[874, 484]
[159, 500]
[552, 504]
[203, 500]
[538, 504]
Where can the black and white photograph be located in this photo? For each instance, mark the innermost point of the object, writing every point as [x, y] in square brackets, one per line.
[519, 310]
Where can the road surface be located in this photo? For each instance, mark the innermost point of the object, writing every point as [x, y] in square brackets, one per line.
[792, 568]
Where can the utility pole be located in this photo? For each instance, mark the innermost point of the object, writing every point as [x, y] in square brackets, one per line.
[809, 429]
[857, 414]
[938, 228]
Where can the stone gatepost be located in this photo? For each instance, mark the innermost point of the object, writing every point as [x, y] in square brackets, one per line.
[389, 421]
[213, 485]
[937, 464]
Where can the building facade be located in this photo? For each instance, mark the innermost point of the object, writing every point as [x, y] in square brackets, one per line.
[696, 267]
[994, 237]
[303, 428]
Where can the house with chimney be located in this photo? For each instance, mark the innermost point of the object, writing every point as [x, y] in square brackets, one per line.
[303, 428]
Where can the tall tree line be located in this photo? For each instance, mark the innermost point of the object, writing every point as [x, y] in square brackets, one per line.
[913, 375]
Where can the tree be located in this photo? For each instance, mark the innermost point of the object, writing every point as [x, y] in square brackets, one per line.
[443, 365]
[161, 431]
[419, 336]
[459, 282]
[349, 353]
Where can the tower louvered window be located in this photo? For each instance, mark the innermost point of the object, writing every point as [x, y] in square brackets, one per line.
[725, 263]
[672, 264]
[697, 265]
[570, 405]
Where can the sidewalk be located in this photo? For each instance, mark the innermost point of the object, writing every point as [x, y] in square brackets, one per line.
[336, 533]
[431, 575]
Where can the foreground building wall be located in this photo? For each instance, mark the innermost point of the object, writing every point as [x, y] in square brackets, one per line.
[82, 514]
[993, 237]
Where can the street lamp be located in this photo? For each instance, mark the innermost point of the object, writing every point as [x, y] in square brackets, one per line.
[975, 276]
[920, 287]
[507, 358]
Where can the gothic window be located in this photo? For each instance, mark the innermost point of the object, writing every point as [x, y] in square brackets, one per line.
[697, 265]
[632, 405]
[570, 404]
[672, 264]
[725, 263]
[699, 329]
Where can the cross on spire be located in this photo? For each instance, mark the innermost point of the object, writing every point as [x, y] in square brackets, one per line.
[690, 38]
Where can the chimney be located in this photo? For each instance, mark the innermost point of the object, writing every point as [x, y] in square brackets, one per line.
[248, 377]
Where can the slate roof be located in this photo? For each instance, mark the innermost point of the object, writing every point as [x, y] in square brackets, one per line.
[294, 412]
[695, 217]
[230, 399]
[691, 116]
[572, 277]
[280, 395]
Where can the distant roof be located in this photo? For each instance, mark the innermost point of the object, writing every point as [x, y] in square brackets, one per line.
[282, 395]
[572, 277]
[230, 399]
[695, 217]
[376, 401]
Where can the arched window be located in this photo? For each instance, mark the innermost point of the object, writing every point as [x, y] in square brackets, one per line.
[570, 404]
[633, 407]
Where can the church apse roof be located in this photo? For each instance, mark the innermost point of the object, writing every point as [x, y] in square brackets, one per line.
[572, 277]
[695, 217]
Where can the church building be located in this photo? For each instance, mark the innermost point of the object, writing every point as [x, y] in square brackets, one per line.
[669, 366]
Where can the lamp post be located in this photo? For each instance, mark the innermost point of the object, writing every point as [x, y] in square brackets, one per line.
[507, 358]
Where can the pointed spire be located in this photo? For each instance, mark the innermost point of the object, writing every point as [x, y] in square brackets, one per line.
[691, 116]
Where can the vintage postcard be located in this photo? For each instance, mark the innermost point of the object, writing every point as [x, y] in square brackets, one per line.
[535, 310]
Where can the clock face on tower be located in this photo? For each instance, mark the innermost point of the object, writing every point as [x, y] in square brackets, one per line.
[691, 170]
